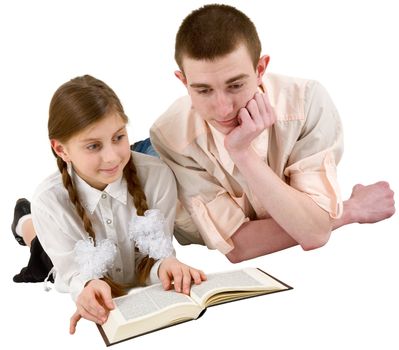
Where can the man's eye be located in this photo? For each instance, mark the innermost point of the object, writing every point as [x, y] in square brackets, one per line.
[236, 86]
[204, 91]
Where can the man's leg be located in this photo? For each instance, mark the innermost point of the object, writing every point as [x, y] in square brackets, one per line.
[145, 147]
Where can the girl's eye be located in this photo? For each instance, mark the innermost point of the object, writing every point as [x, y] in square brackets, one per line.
[119, 137]
[93, 147]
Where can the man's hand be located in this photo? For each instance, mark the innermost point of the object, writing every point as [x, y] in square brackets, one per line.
[372, 203]
[93, 304]
[257, 116]
[172, 269]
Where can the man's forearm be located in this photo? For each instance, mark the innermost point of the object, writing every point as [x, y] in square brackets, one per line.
[257, 238]
[294, 211]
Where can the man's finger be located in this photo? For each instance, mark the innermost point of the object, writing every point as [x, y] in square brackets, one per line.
[257, 118]
[263, 110]
[244, 117]
[270, 116]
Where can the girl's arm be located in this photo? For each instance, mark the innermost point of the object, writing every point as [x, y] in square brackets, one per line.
[93, 303]
[58, 236]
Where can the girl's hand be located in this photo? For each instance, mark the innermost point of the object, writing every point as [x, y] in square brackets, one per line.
[93, 304]
[172, 269]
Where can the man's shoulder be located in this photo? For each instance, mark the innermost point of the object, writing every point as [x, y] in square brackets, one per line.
[148, 162]
[152, 169]
[288, 95]
[287, 85]
[179, 126]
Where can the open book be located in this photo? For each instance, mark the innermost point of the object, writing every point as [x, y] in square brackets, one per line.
[151, 308]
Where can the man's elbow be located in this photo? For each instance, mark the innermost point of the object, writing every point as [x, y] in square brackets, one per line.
[316, 241]
[235, 256]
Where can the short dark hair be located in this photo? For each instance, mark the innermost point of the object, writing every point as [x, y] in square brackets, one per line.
[213, 31]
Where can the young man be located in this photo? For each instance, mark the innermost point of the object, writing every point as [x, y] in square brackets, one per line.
[254, 154]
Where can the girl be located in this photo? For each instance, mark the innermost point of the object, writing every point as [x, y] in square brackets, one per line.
[92, 217]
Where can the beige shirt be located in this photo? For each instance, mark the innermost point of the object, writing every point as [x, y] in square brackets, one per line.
[59, 227]
[303, 148]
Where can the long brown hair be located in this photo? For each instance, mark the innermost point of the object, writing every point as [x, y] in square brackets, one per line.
[75, 105]
[213, 31]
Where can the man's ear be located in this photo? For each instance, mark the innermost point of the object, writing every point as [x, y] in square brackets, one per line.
[180, 75]
[60, 150]
[261, 67]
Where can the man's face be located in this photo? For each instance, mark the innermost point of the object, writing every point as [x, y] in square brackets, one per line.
[219, 88]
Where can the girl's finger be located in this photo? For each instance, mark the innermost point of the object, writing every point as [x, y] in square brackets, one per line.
[165, 279]
[196, 275]
[86, 314]
[74, 321]
[177, 279]
[95, 308]
[106, 297]
[186, 281]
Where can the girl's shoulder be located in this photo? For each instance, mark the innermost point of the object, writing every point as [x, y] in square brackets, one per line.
[50, 189]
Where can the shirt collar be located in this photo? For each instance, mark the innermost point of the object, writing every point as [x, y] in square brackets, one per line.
[90, 196]
[224, 156]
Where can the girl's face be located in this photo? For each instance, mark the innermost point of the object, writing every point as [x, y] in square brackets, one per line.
[98, 153]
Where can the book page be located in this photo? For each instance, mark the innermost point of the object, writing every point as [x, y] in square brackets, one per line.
[149, 300]
[228, 280]
[220, 287]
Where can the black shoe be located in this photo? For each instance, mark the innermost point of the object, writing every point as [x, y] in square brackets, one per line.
[22, 208]
[39, 265]
[26, 276]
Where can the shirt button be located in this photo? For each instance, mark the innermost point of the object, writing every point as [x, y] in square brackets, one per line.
[118, 269]
[109, 221]
[103, 196]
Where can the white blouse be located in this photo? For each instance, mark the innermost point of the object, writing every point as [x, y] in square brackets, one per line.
[59, 227]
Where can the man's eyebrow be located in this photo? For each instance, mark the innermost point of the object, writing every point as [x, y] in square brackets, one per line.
[199, 85]
[237, 77]
[227, 82]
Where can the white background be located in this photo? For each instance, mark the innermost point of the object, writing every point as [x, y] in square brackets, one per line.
[345, 295]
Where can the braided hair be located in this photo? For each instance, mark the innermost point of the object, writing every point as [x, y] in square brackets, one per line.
[75, 105]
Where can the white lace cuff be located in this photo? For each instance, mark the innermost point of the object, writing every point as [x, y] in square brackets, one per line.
[94, 261]
[149, 235]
